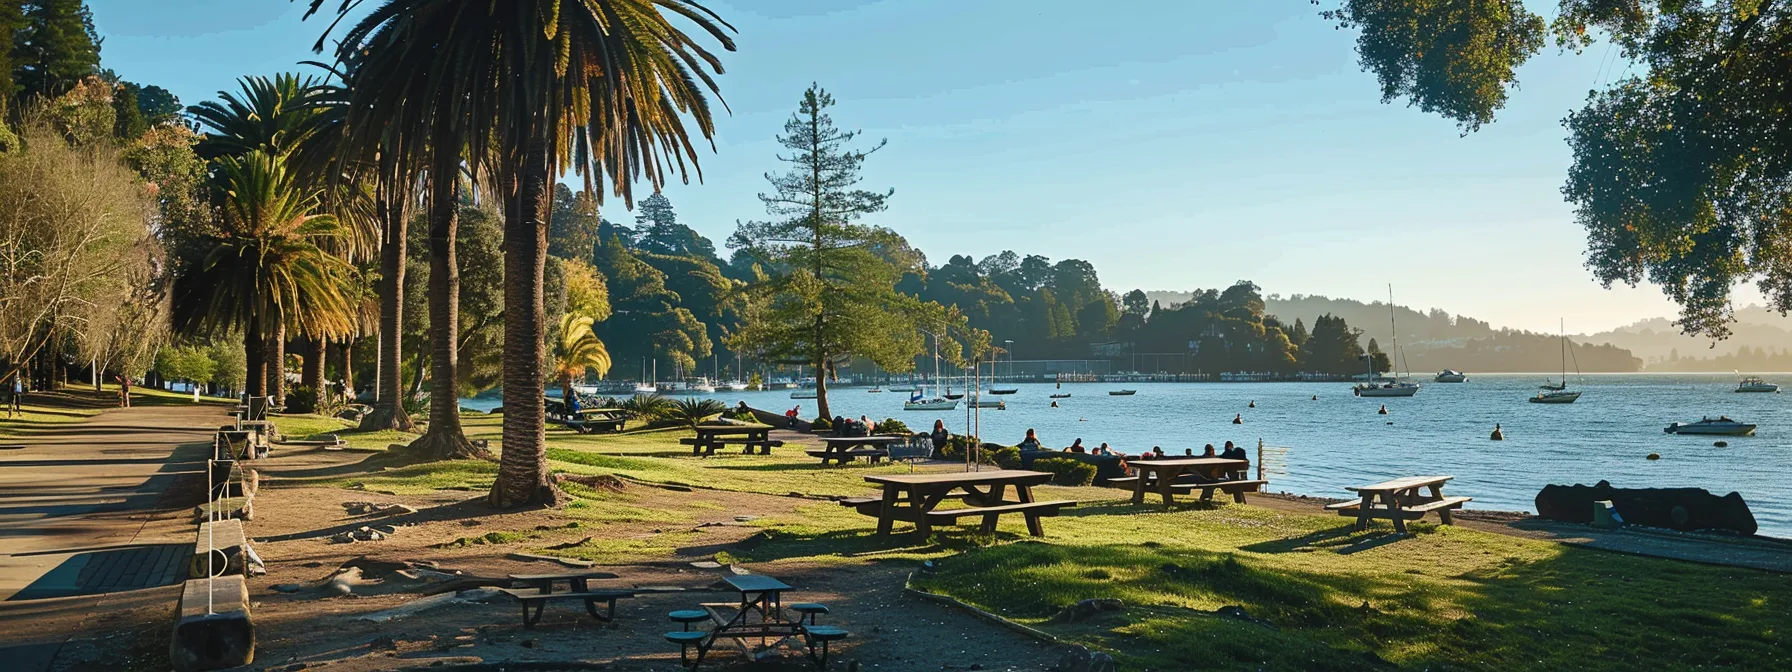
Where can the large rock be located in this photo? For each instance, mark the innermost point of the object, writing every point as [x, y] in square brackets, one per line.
[212, 630]
[1673, 508]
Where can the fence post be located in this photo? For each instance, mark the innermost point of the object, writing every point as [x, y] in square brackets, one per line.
[1259, 458]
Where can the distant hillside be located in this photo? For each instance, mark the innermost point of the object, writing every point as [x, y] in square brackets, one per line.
[1434, 340]
[1657, 341]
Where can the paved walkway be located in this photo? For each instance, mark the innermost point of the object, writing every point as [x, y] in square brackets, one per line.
[86, 533]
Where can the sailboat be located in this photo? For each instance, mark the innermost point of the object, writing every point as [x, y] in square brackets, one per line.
[1559, 394]
[1396, 387]
[917, 403]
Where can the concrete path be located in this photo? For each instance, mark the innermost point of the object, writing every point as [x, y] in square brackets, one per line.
[89, 543]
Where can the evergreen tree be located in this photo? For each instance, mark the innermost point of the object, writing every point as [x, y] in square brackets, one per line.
[659, 232]
[1299, 336]
[833, 295]
[129, 123]
[12, 20]
[56, 47]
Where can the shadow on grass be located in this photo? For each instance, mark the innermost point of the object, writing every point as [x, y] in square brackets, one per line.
[465, 509]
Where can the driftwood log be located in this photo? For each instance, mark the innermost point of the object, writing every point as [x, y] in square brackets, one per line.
[1686, 509]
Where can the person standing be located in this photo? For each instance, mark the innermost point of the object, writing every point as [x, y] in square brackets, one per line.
[18, 395]
[124, 390]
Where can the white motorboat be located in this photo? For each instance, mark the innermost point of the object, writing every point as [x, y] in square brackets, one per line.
[1722, 426]
[979, 402]
[1451, 376]
[735, 385]
[803, 394]
[1754, 384]
[700, 386]
[646, 388]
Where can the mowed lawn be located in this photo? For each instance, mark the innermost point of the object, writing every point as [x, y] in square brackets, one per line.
[1314, 594]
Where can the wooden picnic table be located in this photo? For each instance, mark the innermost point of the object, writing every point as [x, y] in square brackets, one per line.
[713, 437]
[1399, 500]
[537, 590]
[1162, 474]
[845, 449]
[914, 498]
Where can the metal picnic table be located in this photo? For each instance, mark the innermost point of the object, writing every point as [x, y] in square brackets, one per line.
[538, 589]
[760, 613]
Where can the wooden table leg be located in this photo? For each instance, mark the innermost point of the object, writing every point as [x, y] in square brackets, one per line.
[1437, 493]
[918, 501]
[1393, 501]
[886, 516]
[1363, 510]
[1138, 486]
[1025, 494]
[1166, 476]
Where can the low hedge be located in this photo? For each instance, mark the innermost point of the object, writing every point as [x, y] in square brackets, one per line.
[1065, 471]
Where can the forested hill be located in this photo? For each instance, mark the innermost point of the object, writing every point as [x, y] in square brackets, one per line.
[1435, 340]
[1758, 341]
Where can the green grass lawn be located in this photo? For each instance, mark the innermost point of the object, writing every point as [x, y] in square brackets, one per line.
[1323, 596]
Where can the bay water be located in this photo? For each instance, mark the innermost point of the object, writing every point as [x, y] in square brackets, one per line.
[1321, 438]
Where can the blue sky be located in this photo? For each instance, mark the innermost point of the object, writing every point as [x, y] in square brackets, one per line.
[1175, 145]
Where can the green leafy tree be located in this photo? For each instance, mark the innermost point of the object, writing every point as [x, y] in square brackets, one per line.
[1681, 173]
[832, 293]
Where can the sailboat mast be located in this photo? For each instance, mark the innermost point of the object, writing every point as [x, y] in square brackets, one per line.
[1562, 332]
[1393, 329]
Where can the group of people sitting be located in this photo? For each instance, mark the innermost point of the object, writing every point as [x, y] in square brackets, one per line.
[863, 426]
[1230, 452]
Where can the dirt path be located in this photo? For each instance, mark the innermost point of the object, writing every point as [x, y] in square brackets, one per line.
[93, 524]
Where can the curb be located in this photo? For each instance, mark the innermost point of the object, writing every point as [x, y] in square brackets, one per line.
[908, 587]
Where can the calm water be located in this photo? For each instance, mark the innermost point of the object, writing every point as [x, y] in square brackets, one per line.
[1340, 440]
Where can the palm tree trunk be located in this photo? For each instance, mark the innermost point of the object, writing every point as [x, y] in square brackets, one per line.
[347, 350]
[277, 365]
[312, 376]
[522, 472]
[445, 439]
[388, 411]
[255, 355]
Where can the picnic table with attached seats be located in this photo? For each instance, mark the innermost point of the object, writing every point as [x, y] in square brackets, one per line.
[713, 437]
[845, 449]
[758, 615]
[914, 498]
[1187, 474]
[536, 590]
[1399, 500]
[588, 420]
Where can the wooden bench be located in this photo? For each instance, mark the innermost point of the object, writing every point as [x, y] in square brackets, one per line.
[1443, 507]
[1400, 500]
[706, 447]
[1235, 488]
[1032, 510]
[844, 456]
[532, 597]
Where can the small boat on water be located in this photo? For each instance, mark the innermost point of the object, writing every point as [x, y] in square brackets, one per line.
[735, 385]
[1722, 426]
[803, 394]
[997, 404]
[874, 390]
[1003, 390]
[1120, 393]
[1451, 376]
[917, 403]
[1388, 389]
[646, 388]
[1555, 397]
[1755, 384]
[1065, 395]
[953, 396]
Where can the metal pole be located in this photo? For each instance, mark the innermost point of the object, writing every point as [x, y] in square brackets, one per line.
[1259, 458]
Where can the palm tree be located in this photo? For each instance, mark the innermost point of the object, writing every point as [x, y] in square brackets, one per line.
[576, 350]
[260, 265]
[601, 86]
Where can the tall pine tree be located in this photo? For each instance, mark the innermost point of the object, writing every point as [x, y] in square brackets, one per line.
[55, 48]
[833, 295]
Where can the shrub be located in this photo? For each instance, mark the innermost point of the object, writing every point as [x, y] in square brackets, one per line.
[743, 416]
[1066, 471]
[821, 425]
[892, 426]
[645, 407]
[691, 410]
[301, 399]
[1006, 457]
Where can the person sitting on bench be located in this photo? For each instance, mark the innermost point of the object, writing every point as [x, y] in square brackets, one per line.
[1208, 451]
[1075, 447]
[939, 437]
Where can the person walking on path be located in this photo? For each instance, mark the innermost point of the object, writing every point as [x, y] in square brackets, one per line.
[124, 390]
[18, 395]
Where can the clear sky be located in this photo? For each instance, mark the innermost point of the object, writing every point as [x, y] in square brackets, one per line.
[1174, 144]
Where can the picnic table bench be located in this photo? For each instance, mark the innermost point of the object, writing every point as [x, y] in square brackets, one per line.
[584, 420]
[536, 590]
[711, 438]
[1399, 500]
[758, 615]
[914, 498]
[1169, 476]
[843, 449]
